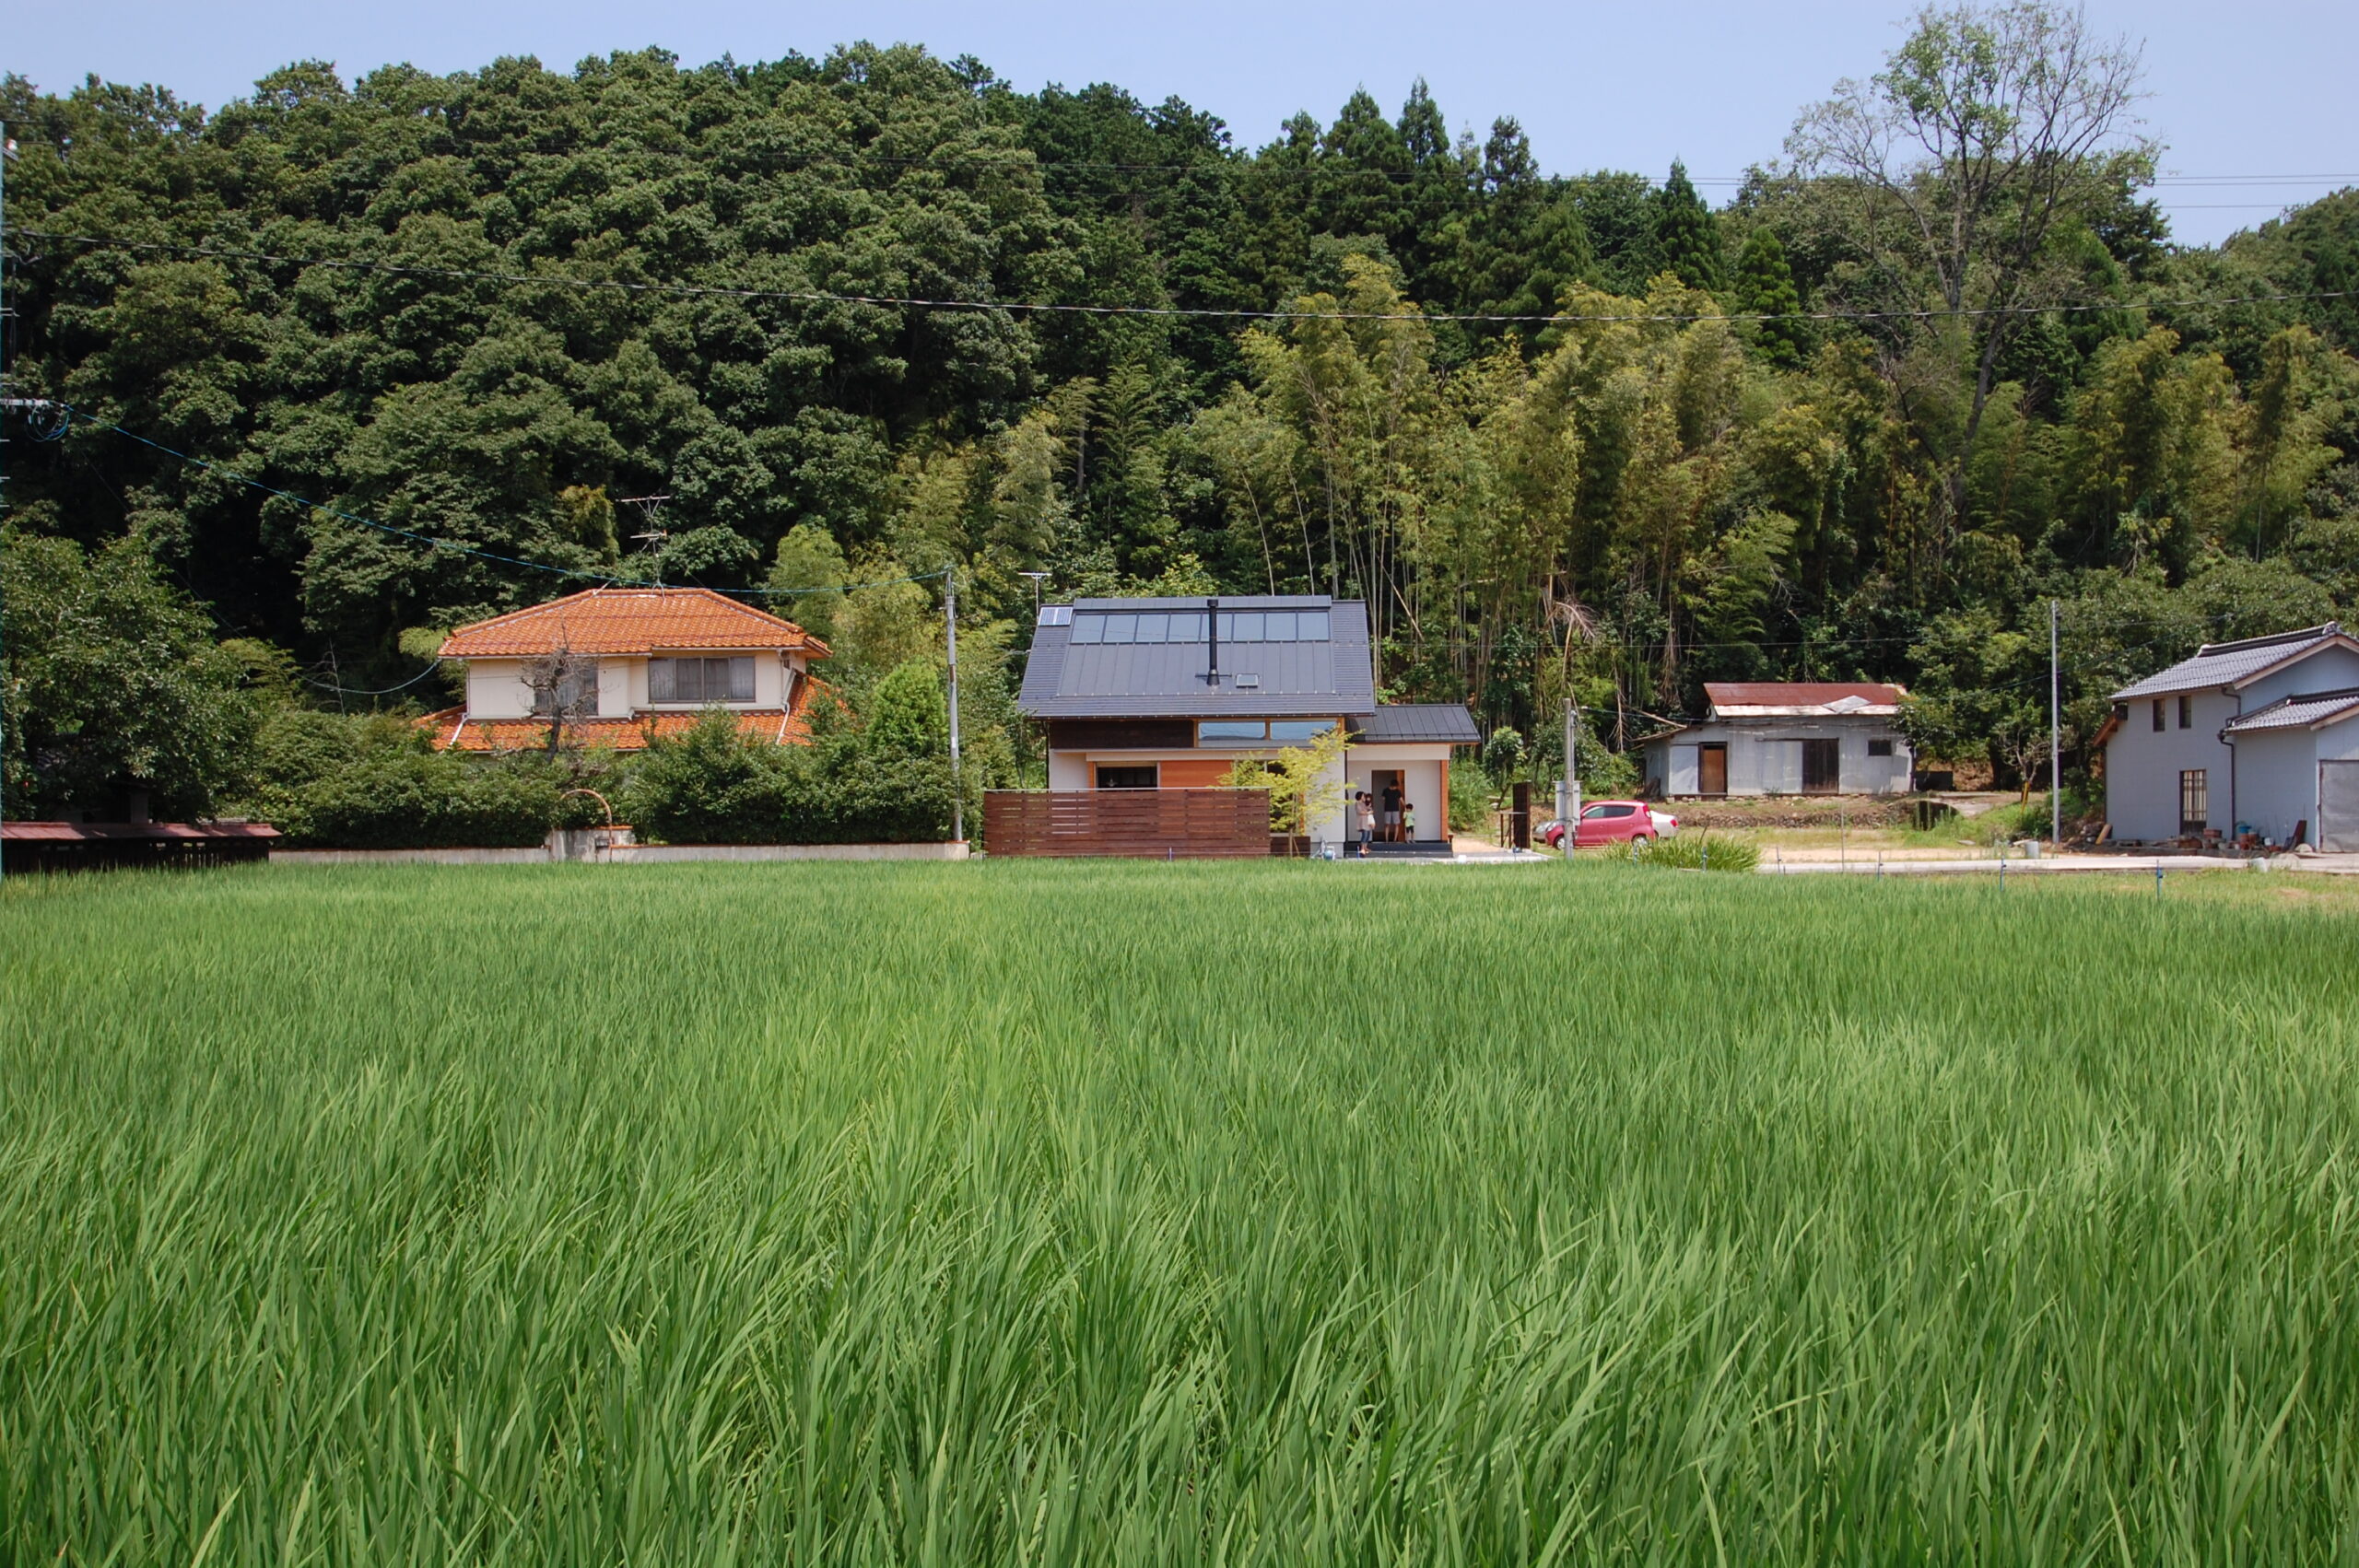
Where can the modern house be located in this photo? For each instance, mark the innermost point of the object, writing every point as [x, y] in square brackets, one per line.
[637, 662]
[1786, 738]
[2250, 736]
[1169, 694]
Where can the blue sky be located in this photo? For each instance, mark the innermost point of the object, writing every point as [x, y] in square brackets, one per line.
[2242, 95]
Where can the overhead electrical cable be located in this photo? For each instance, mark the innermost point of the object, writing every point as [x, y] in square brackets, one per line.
[812, 296]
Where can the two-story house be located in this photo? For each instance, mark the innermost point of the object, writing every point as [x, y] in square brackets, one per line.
[2249, 735]
[638, 662]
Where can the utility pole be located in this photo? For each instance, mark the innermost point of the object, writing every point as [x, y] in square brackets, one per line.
[2055, 741]
[1569, 791]
[950, 639]
[7, 157]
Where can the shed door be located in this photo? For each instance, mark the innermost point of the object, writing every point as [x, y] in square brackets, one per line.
[1711, 769]
[2339, 807]
[1822, 766]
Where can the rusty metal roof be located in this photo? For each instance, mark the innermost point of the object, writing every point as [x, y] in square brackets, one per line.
[1803, 695]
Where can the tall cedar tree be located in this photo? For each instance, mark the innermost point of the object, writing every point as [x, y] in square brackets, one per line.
[1687, 232]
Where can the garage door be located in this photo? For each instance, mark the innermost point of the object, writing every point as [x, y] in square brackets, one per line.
[2339, 807]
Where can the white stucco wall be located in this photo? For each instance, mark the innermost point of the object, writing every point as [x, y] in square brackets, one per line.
[1068, 770]
[2277, 782]
[1421, 782]
[2142, 766]
[1765, 757]
[496, 689]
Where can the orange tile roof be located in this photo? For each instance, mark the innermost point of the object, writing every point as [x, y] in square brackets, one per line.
[630, 620]
[787, 728]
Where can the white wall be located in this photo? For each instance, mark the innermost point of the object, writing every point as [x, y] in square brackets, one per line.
[1421, 782]
[1068, 770]
[613, 687]
[2142, 766]
[496, 689]
[2277, 781]
[1765, 757]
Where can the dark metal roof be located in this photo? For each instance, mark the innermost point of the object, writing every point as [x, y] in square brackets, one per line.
[2232, 663]
[1425, 721]
[2309, 710]
[1258, 679]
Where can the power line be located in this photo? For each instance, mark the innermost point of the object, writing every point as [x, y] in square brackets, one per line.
[812, 296]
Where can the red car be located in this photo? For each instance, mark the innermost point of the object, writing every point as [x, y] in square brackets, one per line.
[1613, 821]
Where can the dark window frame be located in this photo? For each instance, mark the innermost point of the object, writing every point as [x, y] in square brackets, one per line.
[1880, 746]
[2186, 711]
[2158, 716]
[1111, 776]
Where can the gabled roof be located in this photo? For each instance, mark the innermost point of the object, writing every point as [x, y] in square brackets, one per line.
[627, 621]
[1420, 721]
[2229, 664]
[2310, 710]
[1802, 700]
[1330, 677]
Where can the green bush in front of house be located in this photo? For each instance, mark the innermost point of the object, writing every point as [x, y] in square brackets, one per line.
[376, 782]
[889, 782]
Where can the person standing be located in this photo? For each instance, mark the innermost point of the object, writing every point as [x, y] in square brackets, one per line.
[1408, 821]
[1368, 821]
[1392, 813]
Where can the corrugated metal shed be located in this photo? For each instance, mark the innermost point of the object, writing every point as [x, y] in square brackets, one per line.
[1420, 721]
[1258, 679]
[2307, 711]
[2221, 665]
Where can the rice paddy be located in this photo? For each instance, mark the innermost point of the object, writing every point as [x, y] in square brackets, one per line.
[1078, 1214]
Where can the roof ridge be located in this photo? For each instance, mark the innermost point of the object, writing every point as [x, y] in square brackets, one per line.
[2306, 634]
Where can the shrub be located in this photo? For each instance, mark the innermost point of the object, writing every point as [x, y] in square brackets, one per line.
[712, 785]
[1700, 851]
[376, 782]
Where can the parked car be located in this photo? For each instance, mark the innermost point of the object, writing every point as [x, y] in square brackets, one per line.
[1613, 822]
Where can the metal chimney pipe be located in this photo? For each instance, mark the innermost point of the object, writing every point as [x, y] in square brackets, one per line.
[1211, 632]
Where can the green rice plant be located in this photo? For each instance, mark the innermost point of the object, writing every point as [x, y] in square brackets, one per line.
[1268, 1212]
[1699, 850]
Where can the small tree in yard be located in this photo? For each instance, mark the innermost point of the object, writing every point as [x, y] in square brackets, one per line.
[1296, 780]
[565, 690]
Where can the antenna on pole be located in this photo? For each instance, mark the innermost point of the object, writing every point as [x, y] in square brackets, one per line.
[649, 505]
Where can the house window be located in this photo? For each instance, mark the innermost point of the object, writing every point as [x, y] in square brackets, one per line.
[576, 691]
[701, 680]
[2194, 800]
[1232, 732]
[1296, 731]
[1880, 748]
[2158, 716]
[1126, 778]
[2186, 712]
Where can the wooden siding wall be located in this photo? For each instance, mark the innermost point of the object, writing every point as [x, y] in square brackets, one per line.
[1188, 824]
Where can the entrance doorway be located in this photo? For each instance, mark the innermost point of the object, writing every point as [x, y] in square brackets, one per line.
[1389, 789]
[1712, 769]
[1822, 766]
[2338, 807]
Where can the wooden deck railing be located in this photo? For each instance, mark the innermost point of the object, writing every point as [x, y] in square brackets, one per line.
[1184, 825]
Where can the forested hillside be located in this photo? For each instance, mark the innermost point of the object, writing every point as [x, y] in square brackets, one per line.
[1936, 362]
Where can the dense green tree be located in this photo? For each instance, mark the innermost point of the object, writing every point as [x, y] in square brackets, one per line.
[113, 682]
[1765, 286]
[1686, 234]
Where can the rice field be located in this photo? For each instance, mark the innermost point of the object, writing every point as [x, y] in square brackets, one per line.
[1074, 1213]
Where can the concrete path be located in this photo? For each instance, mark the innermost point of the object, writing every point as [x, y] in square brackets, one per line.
[2047, 865]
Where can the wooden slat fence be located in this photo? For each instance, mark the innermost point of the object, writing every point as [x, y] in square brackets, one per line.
[1188, 824]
